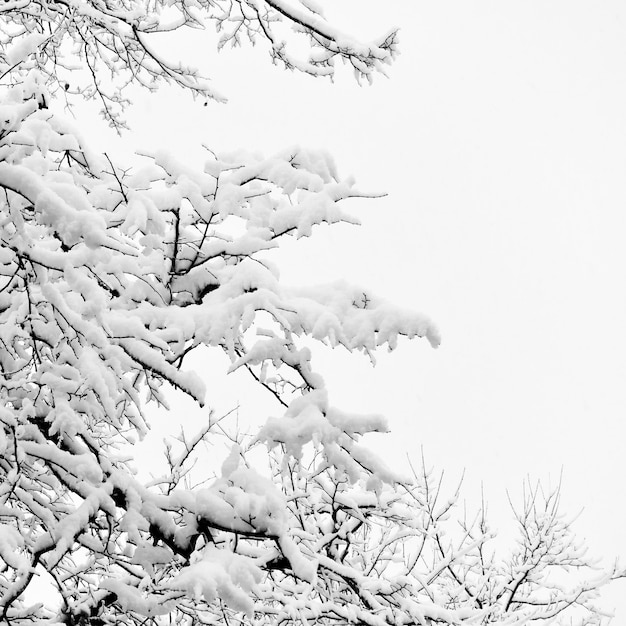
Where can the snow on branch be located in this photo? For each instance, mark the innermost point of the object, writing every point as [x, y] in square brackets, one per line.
[94, 50]
[110, 276]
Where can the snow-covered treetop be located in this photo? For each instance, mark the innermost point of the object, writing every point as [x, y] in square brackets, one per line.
[110, 277]
[95, 49]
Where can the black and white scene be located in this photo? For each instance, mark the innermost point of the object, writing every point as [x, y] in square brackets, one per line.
[312, 313]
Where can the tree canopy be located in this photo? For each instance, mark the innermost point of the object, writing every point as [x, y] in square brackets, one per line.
[112, 276]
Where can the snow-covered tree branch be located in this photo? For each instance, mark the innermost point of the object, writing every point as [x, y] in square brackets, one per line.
[111, 276]
[96, 49]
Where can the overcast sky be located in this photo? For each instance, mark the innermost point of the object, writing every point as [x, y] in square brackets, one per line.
[500, 138]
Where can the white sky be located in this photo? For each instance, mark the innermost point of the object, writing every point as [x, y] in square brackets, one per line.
[501, 141]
